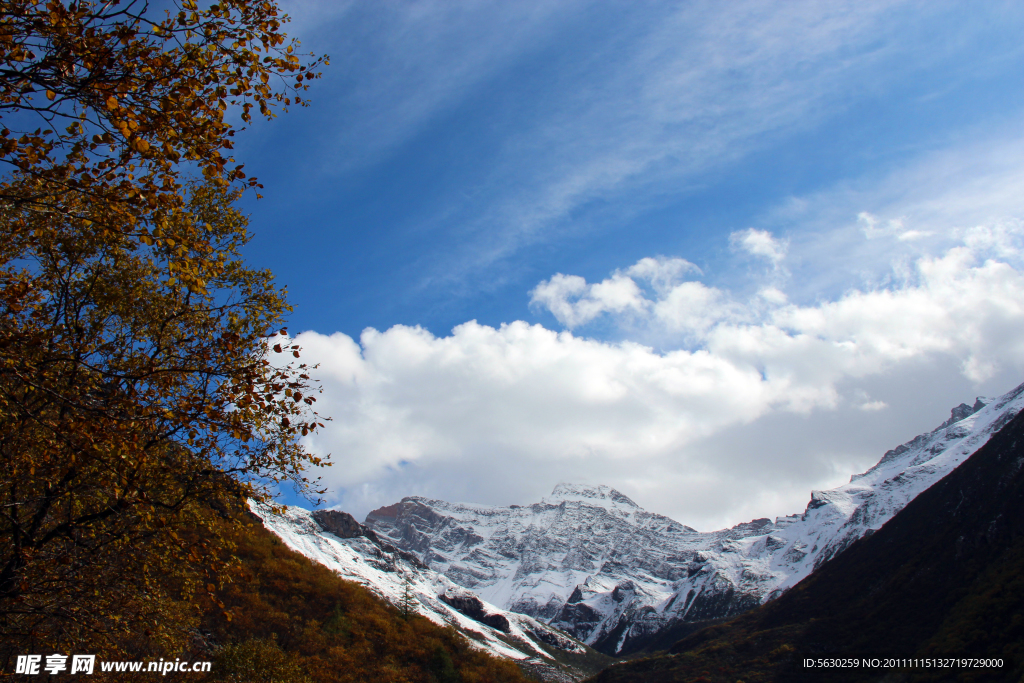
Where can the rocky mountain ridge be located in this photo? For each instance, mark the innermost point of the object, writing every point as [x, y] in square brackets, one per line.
[589, 561]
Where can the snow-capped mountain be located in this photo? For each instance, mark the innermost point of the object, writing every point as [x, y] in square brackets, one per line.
[337, 541]
[589, 561]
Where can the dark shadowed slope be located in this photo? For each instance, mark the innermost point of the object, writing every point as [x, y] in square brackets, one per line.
[944, 577]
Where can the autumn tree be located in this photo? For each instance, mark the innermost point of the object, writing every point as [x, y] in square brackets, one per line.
[139, 391]
[110, 99]
[130, 405]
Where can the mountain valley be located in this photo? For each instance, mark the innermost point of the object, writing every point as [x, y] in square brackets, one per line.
[562, 584]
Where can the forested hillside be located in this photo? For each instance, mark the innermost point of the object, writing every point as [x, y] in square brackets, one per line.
[284, 618]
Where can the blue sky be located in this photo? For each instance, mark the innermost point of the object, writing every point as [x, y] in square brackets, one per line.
[717, 254]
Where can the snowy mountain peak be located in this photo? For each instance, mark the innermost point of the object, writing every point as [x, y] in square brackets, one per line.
[963, 411]
[602, 496]
[589, 561]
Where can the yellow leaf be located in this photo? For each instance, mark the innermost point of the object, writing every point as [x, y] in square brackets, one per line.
[50, 95]
[111, 102]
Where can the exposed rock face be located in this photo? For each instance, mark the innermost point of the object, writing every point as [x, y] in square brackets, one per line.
[341, 524]
[592, 563]
[473, 607]
[344, 525]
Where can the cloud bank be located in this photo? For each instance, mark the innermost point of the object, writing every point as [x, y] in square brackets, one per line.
[529, 403]
[805, 346]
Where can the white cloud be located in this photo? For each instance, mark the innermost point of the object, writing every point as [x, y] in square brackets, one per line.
[660, 272]
[412, 410]
[760, 243]
[773, 295]
[966, 194]
[573, 302]
[873, 228]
